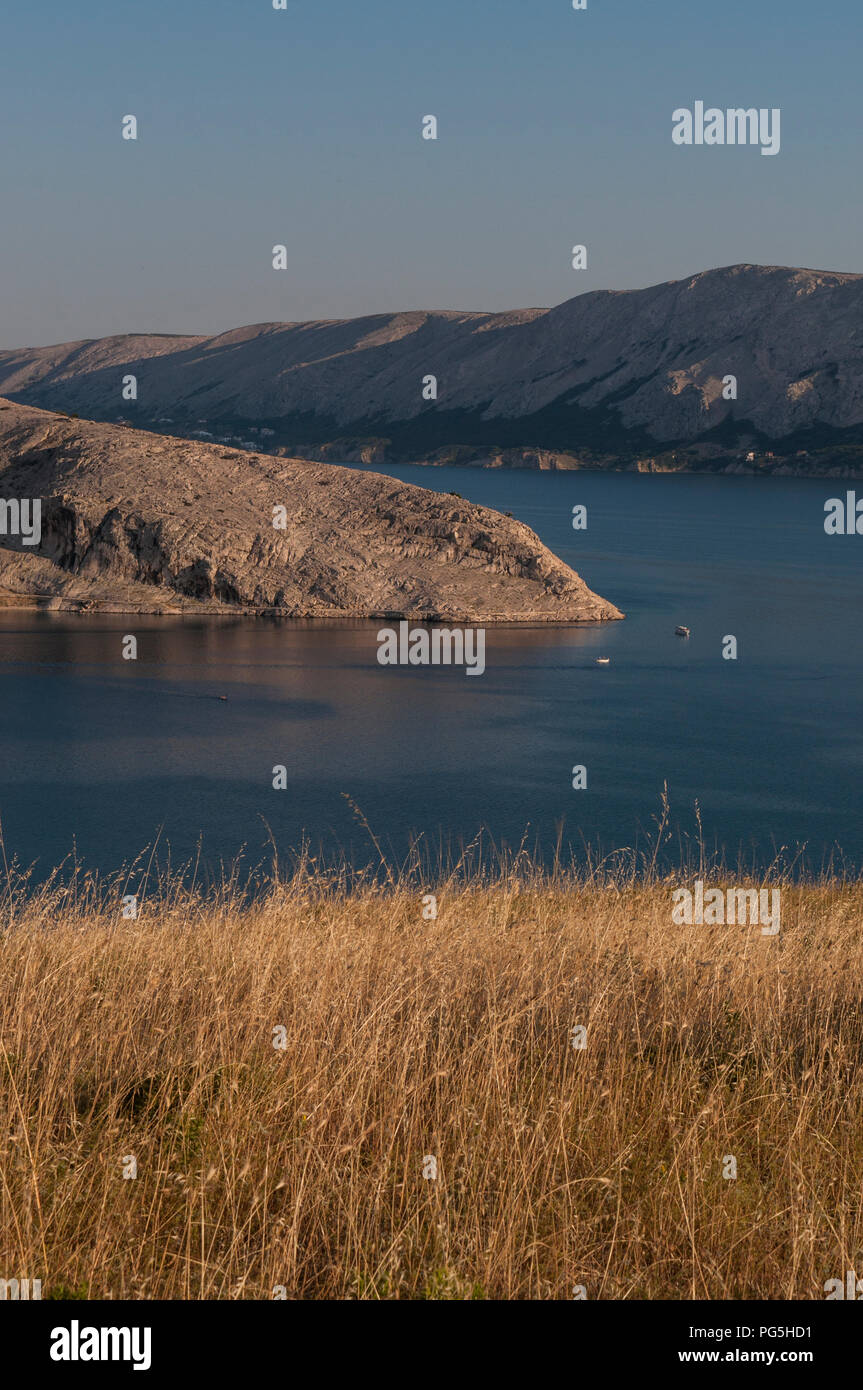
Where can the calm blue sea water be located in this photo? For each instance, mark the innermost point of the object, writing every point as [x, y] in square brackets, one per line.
[98, 754]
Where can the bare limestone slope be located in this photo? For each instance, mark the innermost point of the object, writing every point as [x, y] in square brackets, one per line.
[604, 376]
[135, 522]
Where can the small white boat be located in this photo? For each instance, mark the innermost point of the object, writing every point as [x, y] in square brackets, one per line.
[603, 660]
[681, 631]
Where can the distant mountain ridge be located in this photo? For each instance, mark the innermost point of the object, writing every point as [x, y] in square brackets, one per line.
[610, 378]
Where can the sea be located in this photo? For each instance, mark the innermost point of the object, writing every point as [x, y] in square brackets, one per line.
[752, 750]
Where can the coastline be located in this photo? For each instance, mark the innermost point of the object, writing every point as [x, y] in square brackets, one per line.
[538, 460]
[83, 607]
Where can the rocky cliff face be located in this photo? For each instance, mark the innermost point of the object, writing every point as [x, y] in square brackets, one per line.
[603, 376]
[136, 522]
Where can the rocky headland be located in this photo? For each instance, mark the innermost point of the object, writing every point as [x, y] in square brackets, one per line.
[134, 522]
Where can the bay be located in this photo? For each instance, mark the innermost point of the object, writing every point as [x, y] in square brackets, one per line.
[99, 755]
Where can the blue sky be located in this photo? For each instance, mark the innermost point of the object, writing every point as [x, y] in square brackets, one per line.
[302, 127]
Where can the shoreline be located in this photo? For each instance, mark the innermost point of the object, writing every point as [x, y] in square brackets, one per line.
[375, 453]
[89, 607]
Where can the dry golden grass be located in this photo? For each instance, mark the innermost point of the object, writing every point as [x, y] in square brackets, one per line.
[303, 1167]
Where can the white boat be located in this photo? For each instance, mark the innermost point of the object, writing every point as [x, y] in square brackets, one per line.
[603, 660]
[681, 631]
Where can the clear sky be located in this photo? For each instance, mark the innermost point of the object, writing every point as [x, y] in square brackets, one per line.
[303, 127]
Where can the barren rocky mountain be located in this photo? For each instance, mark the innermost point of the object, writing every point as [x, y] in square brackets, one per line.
[605, 379]
[134, 522]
